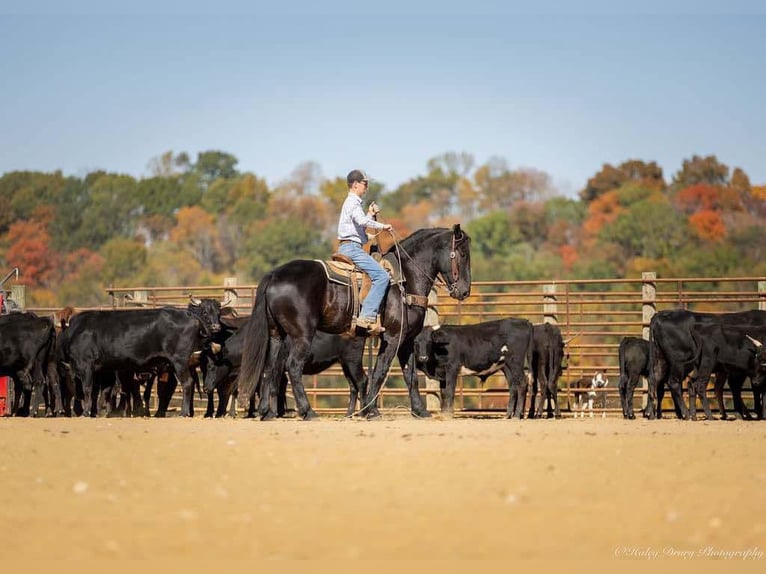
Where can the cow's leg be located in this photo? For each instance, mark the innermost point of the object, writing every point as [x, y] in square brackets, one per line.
[187, 386]
[448, 394]
[720, 381]
[210, 410]
[553, 394]
[134, 392]
[417, 406]
[759, 392]
[676, 391]
[658, 374]
[165, 390]
[542, 386]
[517, 384]
[736, 382]
[701, 387]
[622, 386]
[693, 391]
[88, 397]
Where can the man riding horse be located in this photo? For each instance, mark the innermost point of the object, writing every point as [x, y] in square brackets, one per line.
[352, 236]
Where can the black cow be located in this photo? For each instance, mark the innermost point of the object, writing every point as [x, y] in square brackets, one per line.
[672, 352]
[482, 349]
[548, 361]
[137, 340]
[26, 342]
[634, 363]
[326, 350]
[738, 351]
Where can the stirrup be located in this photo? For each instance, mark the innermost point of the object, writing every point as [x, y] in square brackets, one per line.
[372, 327]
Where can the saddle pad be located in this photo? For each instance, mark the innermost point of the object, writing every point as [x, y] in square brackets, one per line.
[338, 272]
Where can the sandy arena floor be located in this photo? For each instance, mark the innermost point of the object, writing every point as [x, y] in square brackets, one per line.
[395, 488]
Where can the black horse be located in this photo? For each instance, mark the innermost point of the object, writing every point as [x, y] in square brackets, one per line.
[295, 300]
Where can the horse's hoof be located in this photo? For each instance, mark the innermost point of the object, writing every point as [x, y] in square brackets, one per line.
[374, 416]
[311, 416]
[424, 414]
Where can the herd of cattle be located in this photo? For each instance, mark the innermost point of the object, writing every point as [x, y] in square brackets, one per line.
[96, 361]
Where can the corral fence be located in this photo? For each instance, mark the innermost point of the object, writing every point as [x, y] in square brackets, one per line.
[598, 313]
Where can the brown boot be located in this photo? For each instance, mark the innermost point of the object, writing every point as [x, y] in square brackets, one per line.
[372, 326]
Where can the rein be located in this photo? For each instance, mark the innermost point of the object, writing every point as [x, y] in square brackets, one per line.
[399, 251]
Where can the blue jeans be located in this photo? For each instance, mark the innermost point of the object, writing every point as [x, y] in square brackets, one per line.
[378, 275]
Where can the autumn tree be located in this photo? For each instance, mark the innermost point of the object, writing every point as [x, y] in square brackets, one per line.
[29, 249]
[648, 175]
[195, 232]
[700, 169]
[499, 187]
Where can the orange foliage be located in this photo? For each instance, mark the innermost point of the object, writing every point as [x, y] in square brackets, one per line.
[30, 251]
[703, 196]
[569, 256]
[759, 192]
[708, 225]
[602, 210]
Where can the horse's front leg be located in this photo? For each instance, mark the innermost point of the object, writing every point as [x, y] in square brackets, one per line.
[411, 378]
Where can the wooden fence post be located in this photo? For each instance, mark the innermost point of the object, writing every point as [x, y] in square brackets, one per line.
[550, 316]
[648, 300]
[19, 295]
[648, 309]
[762, 295]
[550, 308]
[433, 389]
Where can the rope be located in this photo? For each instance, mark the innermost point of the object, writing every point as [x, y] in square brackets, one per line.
[398, 343]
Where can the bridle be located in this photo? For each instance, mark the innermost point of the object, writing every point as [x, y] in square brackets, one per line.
[454, 265]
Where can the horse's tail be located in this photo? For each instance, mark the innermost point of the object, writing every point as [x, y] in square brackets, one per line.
[255, 345]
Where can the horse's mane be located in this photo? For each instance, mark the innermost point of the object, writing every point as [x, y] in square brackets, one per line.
[419, 236]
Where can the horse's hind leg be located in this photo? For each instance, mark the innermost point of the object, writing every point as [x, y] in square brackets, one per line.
[272, 373]
[296, 358]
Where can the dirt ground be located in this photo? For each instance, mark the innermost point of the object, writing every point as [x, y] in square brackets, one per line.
[394, 488]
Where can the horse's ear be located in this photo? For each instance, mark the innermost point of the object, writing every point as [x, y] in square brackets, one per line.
[456, 231]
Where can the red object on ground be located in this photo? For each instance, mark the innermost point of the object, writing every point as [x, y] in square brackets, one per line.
[3, 395]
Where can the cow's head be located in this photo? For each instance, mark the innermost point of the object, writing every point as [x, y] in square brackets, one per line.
[423, 346]
[760, 361]
[208, 311]
[565, 350]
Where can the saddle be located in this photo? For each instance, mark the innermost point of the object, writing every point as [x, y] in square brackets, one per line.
[341, 270]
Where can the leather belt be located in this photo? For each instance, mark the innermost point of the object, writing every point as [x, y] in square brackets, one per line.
[342, 241]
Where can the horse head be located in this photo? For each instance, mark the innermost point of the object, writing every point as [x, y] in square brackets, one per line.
[456, 270]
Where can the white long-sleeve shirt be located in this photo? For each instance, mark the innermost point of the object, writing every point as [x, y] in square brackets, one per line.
[353, 220]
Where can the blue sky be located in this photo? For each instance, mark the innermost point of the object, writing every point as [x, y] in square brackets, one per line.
[93, 85]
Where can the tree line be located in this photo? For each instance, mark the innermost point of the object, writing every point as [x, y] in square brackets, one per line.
[197, 221]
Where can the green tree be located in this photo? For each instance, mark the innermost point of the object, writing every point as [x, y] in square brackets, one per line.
[650, 229]
[275, 242]
[492, 236]
[109, 213]
[123, 259]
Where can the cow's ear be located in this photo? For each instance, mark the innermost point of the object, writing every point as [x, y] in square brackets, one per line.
[439, 337]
